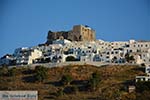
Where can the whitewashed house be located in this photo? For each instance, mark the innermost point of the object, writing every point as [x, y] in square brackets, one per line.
[139, 46]
[7, 59]
[113, 55]
[87, 57]
[26, 55]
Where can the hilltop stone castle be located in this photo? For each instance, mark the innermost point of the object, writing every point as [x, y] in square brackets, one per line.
[78, 33]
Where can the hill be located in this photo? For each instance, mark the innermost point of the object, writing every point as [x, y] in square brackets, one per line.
[114, 80]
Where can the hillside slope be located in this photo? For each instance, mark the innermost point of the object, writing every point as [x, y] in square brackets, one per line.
[113, 84]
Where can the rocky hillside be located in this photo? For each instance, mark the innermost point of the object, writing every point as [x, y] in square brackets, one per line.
[75, 82]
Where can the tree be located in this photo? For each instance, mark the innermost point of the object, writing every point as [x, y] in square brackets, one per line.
[114, 59]
[94, 81]
[60, 92]
[132, 58]
[66, 79]
[129, 58]
[40, 73]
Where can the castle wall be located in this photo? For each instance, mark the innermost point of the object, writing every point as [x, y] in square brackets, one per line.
[78, 33]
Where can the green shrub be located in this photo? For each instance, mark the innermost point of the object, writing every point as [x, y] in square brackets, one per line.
[12, 71]
[129, 58]
[142, 86]
[66, 79]
[3, 70]
[75, 89]
[94, 81]
[60, 92]
[40, 73]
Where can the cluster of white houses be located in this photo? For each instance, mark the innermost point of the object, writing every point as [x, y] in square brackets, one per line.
[94, 51]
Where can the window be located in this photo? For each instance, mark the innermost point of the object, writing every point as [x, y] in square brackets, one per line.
[108, 53]
[146, 45]
[134, 45]
[82, 28]
[107, 56]
[130, 50]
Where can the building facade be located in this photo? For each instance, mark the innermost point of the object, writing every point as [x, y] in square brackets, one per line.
[83, 33]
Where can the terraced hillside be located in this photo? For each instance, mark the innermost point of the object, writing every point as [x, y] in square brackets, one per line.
[111, 85]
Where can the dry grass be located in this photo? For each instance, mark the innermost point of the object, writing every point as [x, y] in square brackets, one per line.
[113, 79]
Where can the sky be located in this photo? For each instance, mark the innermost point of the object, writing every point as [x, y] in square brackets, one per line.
[25, 23]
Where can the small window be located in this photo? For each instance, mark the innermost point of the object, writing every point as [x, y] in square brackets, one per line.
[130, 50]
[146, 45]
[107, 56]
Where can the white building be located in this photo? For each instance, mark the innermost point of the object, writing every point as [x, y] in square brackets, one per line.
[112, 55]
[139, 46]
[6, 60]
[61, 41]
[26, 55]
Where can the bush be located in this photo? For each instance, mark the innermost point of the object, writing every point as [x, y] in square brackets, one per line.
[129, 58]
[3, 70]
[40, 73]
[12, 71]
[94, 81]
[75, 89]
[66, 79]
[60, 92]
[142, 86]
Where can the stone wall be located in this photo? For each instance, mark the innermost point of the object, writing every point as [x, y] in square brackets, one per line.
[78, 33]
